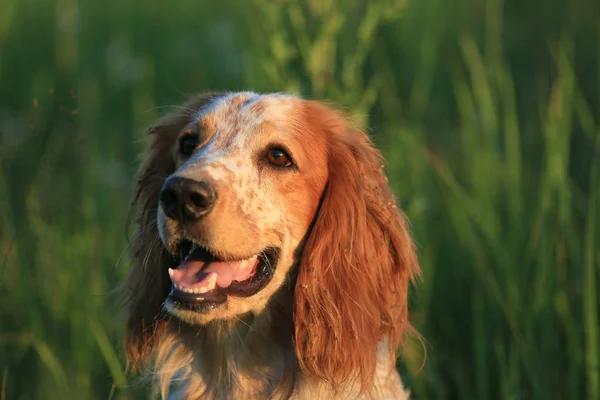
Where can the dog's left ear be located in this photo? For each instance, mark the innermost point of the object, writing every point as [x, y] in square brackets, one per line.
[357, 263]
[148, 283]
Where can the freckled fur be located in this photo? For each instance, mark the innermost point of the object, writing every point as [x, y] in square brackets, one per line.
[342, 277]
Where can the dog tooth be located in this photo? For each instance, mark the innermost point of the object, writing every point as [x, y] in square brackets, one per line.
[212, 282]
[171, 272]
[203, 289]
[244, 264]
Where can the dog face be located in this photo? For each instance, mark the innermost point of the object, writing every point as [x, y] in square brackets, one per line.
[250, 173]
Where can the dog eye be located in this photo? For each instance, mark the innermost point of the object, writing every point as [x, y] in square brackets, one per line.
[279, 158]
[187, 144]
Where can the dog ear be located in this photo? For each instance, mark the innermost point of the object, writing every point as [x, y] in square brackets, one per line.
[148, 283]
[357, 263]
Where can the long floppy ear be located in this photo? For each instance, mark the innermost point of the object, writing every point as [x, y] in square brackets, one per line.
[148, 283]
[357, 263]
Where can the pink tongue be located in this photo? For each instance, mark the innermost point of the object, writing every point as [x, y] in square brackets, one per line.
[193, 274]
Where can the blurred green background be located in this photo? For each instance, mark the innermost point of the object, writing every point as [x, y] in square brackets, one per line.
[488, 112]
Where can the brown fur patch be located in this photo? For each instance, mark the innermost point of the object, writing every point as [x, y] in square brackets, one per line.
[207, 125]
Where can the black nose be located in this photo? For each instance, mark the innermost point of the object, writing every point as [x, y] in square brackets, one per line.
[186, 200]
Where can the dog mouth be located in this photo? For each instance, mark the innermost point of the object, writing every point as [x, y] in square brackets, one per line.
[203, 278]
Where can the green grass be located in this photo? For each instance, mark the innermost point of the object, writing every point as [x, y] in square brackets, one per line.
[488, 113]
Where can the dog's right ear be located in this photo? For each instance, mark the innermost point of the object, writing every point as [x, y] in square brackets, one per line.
[148, 283]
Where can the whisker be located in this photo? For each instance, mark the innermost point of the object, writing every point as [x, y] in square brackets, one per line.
[244, 322]
[240, 336]
[151, 249]
[139, 233]
[154, 177]
[190, 111]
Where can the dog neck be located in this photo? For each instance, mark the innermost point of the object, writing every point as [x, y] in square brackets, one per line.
[252, 357]
[248, 357]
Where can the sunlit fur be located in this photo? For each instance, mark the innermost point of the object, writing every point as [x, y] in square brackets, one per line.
[329, 322]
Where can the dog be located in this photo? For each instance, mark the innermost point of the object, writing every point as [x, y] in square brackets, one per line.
[270, 259]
